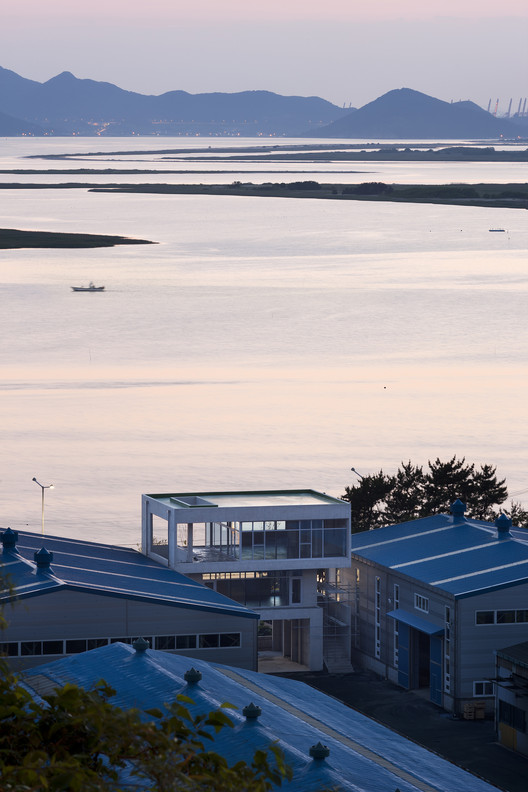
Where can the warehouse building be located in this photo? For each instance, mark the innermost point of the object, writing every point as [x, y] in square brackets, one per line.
[327, 744]
[434, 598]
[70, 596]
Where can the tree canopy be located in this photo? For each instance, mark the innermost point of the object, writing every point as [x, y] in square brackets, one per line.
[412, 492]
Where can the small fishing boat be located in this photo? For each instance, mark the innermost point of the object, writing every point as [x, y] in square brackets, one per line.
[90, 288]
[498, 230]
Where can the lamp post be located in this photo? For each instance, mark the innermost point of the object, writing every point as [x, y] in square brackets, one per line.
[357, 474]
[42, 487]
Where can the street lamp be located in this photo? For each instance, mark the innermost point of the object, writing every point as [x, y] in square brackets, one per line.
[42, 487]
[357, 474]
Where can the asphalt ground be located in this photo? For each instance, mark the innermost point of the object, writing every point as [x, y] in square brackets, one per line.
[471, 744]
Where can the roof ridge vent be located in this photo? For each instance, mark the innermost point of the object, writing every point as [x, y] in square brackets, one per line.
[251, 712]
[458, 509]
[140, 645]
[319, 751]
[9, 539]
[503, 525]
[43, 558]
[192, 676]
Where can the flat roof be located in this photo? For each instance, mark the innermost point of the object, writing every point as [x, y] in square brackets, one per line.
[462, 556]
[108, 570]
[302, 497]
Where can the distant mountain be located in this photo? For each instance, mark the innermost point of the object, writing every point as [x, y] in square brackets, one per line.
[69, 105]
[404, 114]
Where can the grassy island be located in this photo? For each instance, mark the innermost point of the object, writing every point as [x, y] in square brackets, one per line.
[13, 238]
[513, 196]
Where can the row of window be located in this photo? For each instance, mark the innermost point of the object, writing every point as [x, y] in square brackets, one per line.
[501, 617]
[76, 645]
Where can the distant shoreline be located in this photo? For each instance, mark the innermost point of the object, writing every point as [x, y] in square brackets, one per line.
[11, 238]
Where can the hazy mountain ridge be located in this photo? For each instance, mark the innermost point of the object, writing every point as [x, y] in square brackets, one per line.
[67, 104]
[407, 114]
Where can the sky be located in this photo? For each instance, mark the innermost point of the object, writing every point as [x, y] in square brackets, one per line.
[344, 51]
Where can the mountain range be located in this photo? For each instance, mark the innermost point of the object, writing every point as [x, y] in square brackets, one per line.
[66, 105]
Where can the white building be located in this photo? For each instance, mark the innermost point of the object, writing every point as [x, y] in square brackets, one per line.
[277, 552]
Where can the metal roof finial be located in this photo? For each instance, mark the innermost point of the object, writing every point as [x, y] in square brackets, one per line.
[9, 539]
[319, 751]
[192, 676]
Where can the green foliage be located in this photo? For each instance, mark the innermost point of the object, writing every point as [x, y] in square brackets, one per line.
[76, 740]
[412, 493]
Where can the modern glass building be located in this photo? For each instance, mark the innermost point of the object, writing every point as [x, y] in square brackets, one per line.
[277, 551]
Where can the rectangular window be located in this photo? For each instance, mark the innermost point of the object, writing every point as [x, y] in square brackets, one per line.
[186, 642]
[296, 591]
[210, 641]
[30, 648]
[396, 628]
[483, 688]
[485, 617]
[506, 617]
[9, 649]
[230, 639]
[52, 647]
[95, 643]
[377, 612]
[447, 649]
[421, 603]
[76, 646]
[165, 642]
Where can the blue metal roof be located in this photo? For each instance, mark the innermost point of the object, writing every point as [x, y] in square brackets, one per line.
[458, 555]
[106, 569]
[364, 755]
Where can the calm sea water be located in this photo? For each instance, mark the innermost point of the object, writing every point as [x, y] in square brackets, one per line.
[261, 343]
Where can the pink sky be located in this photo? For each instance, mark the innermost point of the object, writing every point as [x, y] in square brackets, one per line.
[343, 51]
[276, 10]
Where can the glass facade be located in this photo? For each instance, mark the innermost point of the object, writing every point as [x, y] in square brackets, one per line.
[257, 589]
[270, 539]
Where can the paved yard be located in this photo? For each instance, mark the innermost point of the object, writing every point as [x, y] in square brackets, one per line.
[470, 744]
